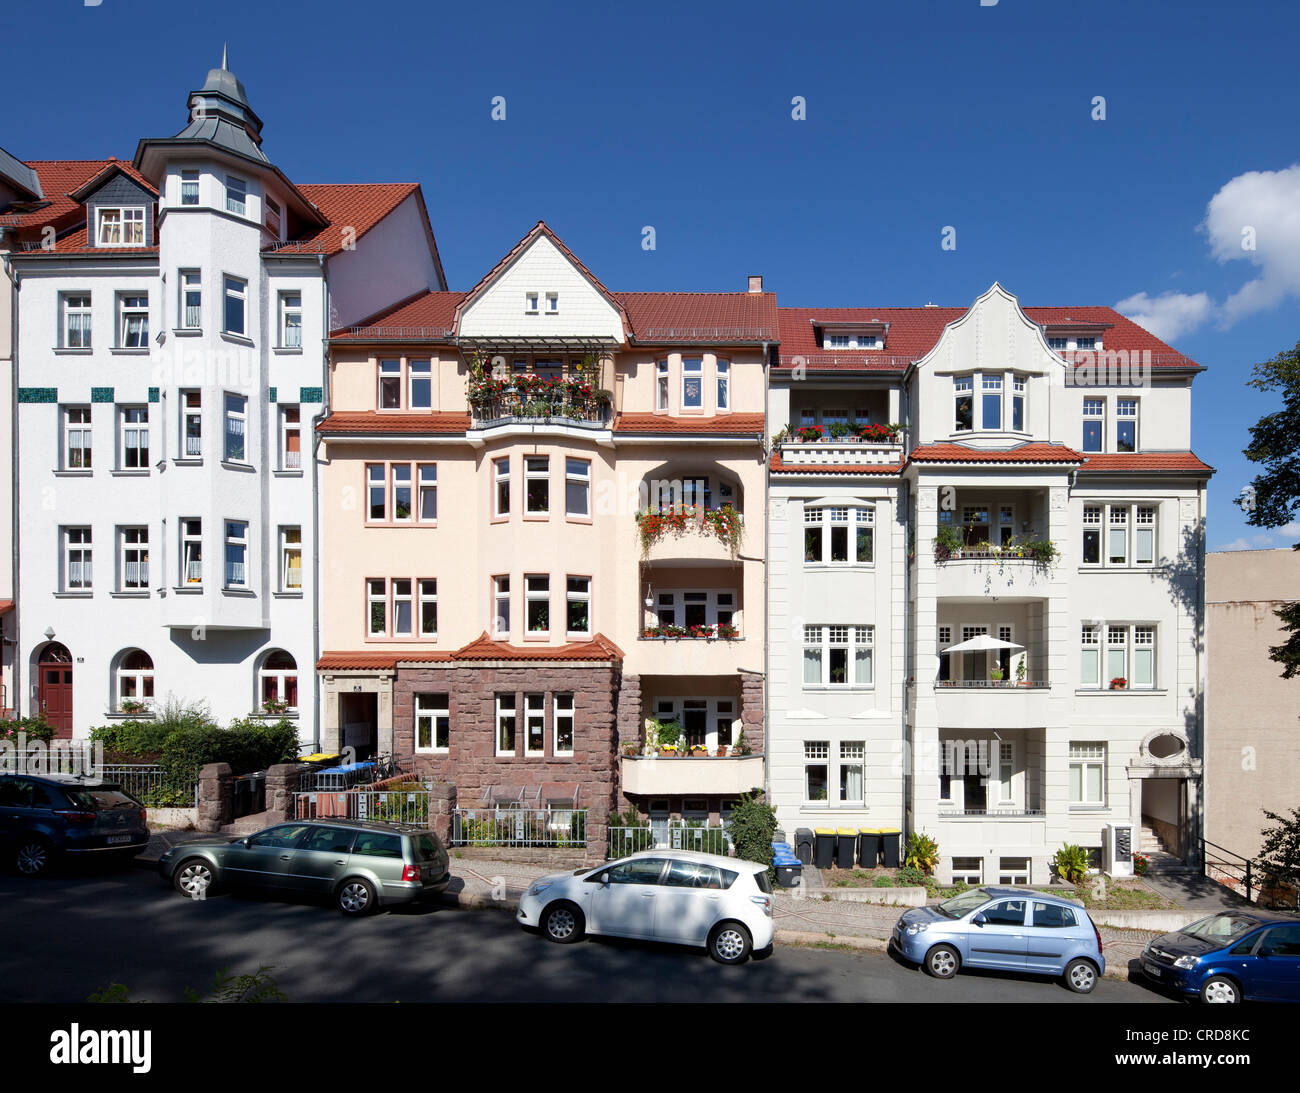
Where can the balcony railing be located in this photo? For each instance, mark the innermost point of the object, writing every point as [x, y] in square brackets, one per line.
[560, 409]
[990, 813]
[840, 452]
[991, 684]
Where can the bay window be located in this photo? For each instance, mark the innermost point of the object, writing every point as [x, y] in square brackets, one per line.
[236, 554]
[577, 487]
[189, 187]
[236, 195]
[963, 404]
[839, 535]
[991, 402]
[191, 309]
[1018, 404]
[692, 383]
[537, 485]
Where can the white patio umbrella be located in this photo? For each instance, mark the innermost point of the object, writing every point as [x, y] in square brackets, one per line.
[980, 643]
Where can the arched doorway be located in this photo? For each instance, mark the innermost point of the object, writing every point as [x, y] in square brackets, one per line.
[54, 687]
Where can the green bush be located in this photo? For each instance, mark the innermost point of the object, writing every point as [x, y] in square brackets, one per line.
[753, 827]
[35, 728]
[921, 852]
[910, 877]
[1071, 863]
[883, 881]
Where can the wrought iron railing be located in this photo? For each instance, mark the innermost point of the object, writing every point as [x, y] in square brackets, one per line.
[553, 827]
[1252, 879]
[990, 813]
[990, 684]
[562, 409]
[152, 785]
[674, 835]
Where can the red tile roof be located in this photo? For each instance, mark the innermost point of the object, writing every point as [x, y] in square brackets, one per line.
[914, 331]
[777, 466]
[426, 316]
[59, 179]
[481, 648]
[663, 425]
[1023, 453]
[1182, 462]
[76, 242]
[359, 206]
[6, 606]
[701, 317]
[484, 648]
[370, 421]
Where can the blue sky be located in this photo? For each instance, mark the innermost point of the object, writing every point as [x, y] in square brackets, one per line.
[919, 115]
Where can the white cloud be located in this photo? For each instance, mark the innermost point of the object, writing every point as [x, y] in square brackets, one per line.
[1169, 315]
[1256, 217]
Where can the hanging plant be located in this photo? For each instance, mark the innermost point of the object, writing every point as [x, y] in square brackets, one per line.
[725, 523]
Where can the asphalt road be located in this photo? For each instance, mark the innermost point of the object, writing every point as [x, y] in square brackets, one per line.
[70, 935]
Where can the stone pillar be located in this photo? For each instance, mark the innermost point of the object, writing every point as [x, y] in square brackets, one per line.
[281, 785]
[630, 721]
[442, 803]
[751, 709]
[216, 797]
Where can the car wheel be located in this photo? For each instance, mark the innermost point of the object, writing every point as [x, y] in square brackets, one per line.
[357, 897]
[942, 962]
[1081, 976]
[194, 878]
[1220, 988]
[730, 943]
[562, 922]
[33, 857]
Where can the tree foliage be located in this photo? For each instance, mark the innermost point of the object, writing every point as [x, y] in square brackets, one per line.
[753, 827]
[1274, 495]
[1280, 849]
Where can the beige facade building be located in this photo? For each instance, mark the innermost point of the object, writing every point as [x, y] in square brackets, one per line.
[1252, 714]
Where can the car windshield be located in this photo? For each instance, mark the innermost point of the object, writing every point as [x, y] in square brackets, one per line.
[98, 800]
[1220, 929]
[964, 904]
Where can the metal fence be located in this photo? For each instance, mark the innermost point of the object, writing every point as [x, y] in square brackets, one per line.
[674, 835]
[396, 805]
[1250, 878]
[519, 827]
[154, 786]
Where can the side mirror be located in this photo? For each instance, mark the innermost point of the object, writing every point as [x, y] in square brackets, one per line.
[1265, 951]
[604, 879]
[979, 919]
[246, 841]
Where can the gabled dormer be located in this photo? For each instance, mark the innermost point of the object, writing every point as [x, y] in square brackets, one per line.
[120, 208]
[851, 334]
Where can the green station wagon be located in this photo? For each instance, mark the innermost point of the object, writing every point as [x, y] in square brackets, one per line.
[360, 865]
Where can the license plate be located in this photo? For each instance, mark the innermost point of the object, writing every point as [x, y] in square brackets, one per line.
[118, 839]
[1150, 969]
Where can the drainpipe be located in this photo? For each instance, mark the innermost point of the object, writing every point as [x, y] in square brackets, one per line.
[909, 626]
[315, 500]
[767, 644]
[12, 275]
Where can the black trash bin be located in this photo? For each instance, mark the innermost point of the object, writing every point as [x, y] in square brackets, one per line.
[889, 837]
[846, 842]
[788, 870]
[869, 847]
[824, 849]
[257, 791]
[243, 797]
[803, 845]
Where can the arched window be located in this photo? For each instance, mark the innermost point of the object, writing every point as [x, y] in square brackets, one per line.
[134, 681]
[277, 684]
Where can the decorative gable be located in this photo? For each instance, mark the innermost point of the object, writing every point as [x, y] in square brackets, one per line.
[120, 213]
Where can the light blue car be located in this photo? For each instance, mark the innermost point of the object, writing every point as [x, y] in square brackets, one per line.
[1007, 929]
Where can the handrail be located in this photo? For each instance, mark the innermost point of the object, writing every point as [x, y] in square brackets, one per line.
[1252, 868]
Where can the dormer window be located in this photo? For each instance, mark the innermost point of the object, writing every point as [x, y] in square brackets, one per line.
[837, 341]
[964, 404]
[120, 227]
[868, 341]
[1085, 343]
[851, 340]
[1058, 344]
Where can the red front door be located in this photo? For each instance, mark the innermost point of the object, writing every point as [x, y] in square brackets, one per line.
[55, 696]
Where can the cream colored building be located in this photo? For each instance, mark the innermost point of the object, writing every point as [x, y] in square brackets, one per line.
[1252, 733]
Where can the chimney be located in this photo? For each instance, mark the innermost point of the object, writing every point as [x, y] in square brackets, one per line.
[755, 282]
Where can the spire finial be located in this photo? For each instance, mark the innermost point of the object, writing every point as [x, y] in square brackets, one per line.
[223, 57]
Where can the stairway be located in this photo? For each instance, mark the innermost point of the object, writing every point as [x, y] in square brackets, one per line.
[1160, 860]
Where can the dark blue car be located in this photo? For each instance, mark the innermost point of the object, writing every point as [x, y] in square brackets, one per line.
[1230, 957]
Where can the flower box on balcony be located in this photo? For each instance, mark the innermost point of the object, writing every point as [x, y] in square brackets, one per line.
[725, 523]
[723, 631]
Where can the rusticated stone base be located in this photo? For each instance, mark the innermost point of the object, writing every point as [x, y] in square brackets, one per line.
[751, 710]
[216, 806]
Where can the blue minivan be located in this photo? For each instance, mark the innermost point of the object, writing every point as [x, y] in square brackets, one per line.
[1007, 929]
[1234, 955]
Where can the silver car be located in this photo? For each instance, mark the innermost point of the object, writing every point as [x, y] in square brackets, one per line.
[361, 865]
[1009, 929]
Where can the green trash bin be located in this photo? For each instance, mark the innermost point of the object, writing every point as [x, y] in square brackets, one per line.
[824, 847]
[889, 837]
[846, 843]
[868, 847]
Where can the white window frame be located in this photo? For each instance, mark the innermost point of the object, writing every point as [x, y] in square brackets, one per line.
[501, 605]
[816, 753]
[191, 413]
[127, 230]
[968, 870]
[1010, 872]
[853, 518]
[1086, 756]
[76, 306]
[1126, 412]
[577, 479]
[506, 710]
[722, 367]
[388, 396]
[719, 606]
[401, 482]
[693, 370]
[1094, 409]
[552, 303]
[426, 596]
[426, 493]
[189, 187]
[78, 559]
[850, 754]
[189, 312]
[564, 712]
[290, 324]
[718, 710]
[534, 723]
[133, 559]
[963, 387]
[191, 555]
[236, 543]
[501, 487]
[531, 301]
[133, 436]
[852, 638]
[1020, 402]
[77, 438]
[133, 320]
[236, 195]
[661, 385]
[235, 421]
[376, 597]
[376, 488]
[537, 468]
[537, 590]
[433, 713]
[289, 546]
[234, 289]
[992, 390]
[280, 677]
[578, 595]
[401, 592]
[290, 429]
[142, 680]
[417, 369]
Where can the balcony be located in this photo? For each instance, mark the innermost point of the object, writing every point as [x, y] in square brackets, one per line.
[690, 535]
[1015, 571]
[671, 655]
[832, 453]
[659, 776]
[531, 400]
[983, 704]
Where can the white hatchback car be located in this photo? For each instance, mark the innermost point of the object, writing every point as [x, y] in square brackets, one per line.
[724, 904]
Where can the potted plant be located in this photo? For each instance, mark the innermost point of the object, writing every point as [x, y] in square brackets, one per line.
[1020, 673]
[699, 751]
[947, 542]
[997, 674]
[1140, 864]
[133, 706]
[669, 735]
[630, 747]
[1118, 683]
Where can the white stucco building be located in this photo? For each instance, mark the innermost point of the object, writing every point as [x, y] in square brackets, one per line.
[171, 366]
[1042, 500]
